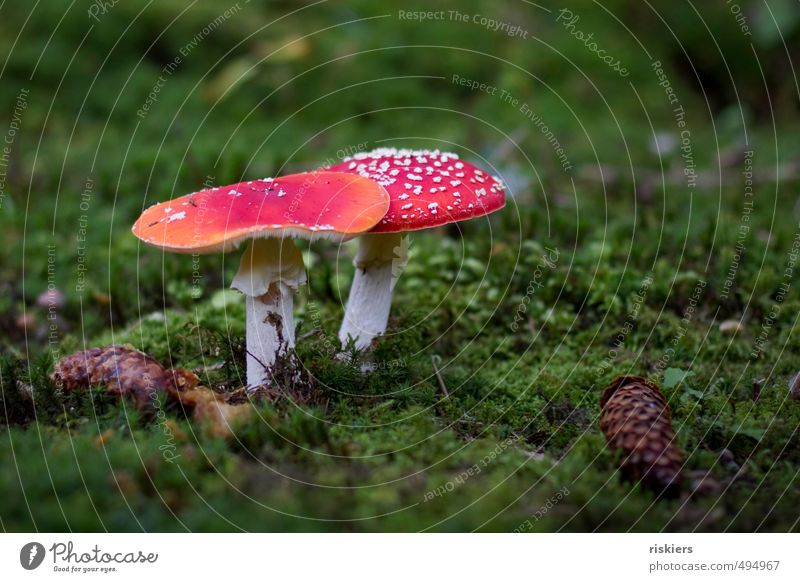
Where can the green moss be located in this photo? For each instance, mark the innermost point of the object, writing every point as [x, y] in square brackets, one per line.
[493, 363]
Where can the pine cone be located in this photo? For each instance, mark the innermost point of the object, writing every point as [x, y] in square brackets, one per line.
[636, 419]
[124, 371]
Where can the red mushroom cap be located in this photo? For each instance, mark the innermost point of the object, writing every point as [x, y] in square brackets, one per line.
[333, 205]
[426, 188]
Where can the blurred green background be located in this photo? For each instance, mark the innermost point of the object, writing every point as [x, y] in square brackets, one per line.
[110, 107]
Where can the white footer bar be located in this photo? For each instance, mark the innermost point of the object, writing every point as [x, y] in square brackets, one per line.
[402, 557]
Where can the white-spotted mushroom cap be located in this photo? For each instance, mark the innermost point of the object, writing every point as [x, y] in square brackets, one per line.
[427, 188]
[333, 205]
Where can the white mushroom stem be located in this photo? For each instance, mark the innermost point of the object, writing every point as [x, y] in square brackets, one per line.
[269, 274]
[380, 260]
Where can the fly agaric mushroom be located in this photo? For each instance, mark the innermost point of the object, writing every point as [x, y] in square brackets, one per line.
[426, 189]
[332, 205]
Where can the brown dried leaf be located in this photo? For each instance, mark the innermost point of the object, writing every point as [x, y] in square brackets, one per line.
[103, 438]
[212, 412]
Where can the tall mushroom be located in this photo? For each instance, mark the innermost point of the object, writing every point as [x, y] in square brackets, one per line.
[426, 189]
[267, 212]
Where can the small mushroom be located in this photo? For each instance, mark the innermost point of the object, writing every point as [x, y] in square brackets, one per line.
[426, 189]
[51, 298]
[794, 387]
[269, 213]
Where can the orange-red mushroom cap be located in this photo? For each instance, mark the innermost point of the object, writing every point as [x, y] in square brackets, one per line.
[326, 204]
[427, 187]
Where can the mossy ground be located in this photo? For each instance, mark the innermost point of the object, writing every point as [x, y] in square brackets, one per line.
[522, 319]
